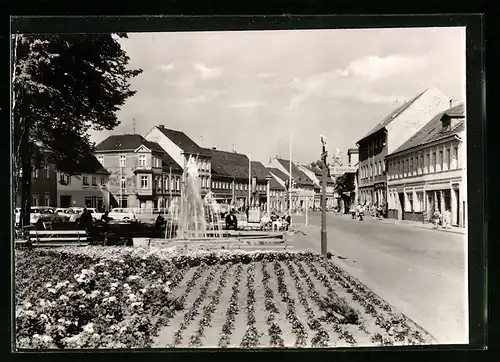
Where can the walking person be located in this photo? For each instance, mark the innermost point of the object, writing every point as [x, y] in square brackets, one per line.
[447, 219]
[436, 217]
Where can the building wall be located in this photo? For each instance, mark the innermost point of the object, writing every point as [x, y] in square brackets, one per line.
[73, 187]
[43, 187]
[434, 187]
[415, 117]
[204, 163]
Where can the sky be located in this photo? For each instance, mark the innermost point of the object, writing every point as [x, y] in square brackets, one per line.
[247, 91]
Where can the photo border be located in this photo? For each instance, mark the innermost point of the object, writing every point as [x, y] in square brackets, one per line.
[475, 107]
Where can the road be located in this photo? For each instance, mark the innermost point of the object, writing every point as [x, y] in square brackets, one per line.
[420, 272]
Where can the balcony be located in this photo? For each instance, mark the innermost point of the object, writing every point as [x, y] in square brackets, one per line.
[142, 168]
[144, 192]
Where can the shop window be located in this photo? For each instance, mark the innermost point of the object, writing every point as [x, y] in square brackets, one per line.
[35, 200]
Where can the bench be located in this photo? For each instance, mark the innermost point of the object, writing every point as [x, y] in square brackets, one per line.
[59, 237]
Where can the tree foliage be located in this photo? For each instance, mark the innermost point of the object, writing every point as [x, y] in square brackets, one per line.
[63, 86]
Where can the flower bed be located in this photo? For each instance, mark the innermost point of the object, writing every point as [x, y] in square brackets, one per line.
[98, 297]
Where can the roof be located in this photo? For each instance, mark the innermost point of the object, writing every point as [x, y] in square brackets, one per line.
[229, 164]
[278, 173]
[259, 170]
[391, 116]
[275, 185]
[184, 142]
[169, 163]
[317, 171]
[299, 176]
[87, 164]
[433, 130]
[127, 142]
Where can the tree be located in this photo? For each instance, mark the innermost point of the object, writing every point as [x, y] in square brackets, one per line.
[63, 85]
[345, 184]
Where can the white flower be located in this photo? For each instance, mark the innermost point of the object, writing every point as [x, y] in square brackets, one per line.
[81, 306]
[121, 261]
[112, 299]
[28, 304]
[46, 338]
[48, 285]
[126, 286]
[143, 290]
[51, 290]
[106, 293]
[89, 328]
[114, 285]
[44, 316]
[63, 297]
[169, 282]
[132, 297]
[123, 329]
[166, 290]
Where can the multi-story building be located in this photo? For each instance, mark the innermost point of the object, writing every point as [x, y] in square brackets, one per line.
[180, 147]
[387, 136]
[426, 173]
[230, 177]
[316, 176]
[279, 189]
[353, 161]
[136, 169]
[43, 186]
[90, 188]
[302, 186]
[261, 185]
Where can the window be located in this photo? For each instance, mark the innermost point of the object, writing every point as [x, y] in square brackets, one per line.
[46, 171]
[419, 201]
[46, 200]
[123, 183]
[166, 183]
[178, 184]
[383, 166]
[441, 161]
[455, 158]
[94, 181]
[144, 182]
[103, 181]
[100, 159]
[142, 160]
[62, 178]
[447, 163]
[433, 162]
[173, 183]
[421, 167]
[410, 171]
[36, 200]
[427, 163]
[85, 181]
[35, 173]
[123, 160]
[409, 201]
[213, 184]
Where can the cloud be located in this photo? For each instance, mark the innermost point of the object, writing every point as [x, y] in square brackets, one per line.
[375, 67]
[202, 97]
[165, 68]
[266, 75]
[206, 72]
[247, 104]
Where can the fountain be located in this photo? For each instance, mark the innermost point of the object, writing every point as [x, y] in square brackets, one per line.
[195, 219]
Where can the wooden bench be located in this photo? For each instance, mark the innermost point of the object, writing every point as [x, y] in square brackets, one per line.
[59, 238]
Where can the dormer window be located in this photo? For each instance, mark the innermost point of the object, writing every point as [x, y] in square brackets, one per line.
[446, 122]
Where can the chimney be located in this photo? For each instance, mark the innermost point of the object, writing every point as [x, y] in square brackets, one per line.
[213, 148]
[161, 126]
[451, 103]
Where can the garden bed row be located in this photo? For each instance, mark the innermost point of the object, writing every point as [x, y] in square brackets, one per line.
[94, 298]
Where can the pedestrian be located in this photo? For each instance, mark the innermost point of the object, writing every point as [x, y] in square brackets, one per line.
[436, 217]
[447, 219]
[86, 220]
[160, 221]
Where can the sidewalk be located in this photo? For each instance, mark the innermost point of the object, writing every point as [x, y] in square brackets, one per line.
[428, 226]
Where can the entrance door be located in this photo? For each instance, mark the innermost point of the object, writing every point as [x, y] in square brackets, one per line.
[402, 204]
[65, 200]
[457, 193]
[447, 199]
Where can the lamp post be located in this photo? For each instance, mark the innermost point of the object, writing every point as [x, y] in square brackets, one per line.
[324, 155]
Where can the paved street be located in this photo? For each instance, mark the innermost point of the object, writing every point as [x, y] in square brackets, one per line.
[419, 271]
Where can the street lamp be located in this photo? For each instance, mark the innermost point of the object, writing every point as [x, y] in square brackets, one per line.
[324, 155]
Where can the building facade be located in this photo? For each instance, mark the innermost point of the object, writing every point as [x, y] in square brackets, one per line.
[136, 174]
[387, 136]
[315, 175]
[302, 187]
[180, 147]
[426, 174]
[43, 186]
[90, 188]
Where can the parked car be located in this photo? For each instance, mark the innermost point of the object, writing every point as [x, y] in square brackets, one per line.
[75, 213]
[96, 215]
[122, 214]
[63, 214]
